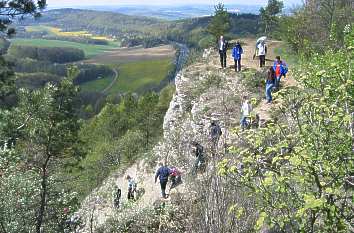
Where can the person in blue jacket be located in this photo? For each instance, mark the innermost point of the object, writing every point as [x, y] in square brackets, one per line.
[281, 69]
[237, 51]
[163, 173]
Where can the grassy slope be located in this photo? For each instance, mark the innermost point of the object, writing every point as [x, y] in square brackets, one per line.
[89, 49]
[97, 85]
[137, 75]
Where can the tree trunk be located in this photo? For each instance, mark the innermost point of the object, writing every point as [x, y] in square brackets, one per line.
[44, 190]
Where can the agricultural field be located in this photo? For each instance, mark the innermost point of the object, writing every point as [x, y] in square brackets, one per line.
[54, 31]
[135, 76]
[137, 67]
[90, 50]
[127, 55]
[98, 85]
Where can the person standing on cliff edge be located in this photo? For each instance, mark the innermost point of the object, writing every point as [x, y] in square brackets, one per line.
[222, 46]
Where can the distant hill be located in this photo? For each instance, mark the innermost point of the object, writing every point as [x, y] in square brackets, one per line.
[99, 22]
[141, 30]
[172, 12]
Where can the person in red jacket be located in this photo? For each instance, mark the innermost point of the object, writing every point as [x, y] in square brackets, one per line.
[176, 177]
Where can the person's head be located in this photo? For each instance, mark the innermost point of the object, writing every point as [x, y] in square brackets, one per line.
[161, 164]
[245, 98]
[277, 58]
[221, 37]
[238, 42]
[128, 177]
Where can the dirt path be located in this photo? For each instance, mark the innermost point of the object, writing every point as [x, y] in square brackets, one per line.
[98, 206]
[263, 109]
[112, 83]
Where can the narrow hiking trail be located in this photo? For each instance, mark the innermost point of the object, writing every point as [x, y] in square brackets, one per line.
[264, 109]
[115, 79]
[204, 92]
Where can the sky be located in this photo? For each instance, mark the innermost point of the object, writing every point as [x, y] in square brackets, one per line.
[56, 3]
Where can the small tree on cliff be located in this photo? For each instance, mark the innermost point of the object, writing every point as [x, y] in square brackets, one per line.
[220, 23]
[269, 15]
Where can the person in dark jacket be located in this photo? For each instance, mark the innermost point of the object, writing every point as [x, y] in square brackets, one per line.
[117, 194]
[222, 46]
[237, 51]
[215, 134]
[163, 173]
[199, 154]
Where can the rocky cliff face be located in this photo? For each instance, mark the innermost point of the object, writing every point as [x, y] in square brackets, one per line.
[204, 93]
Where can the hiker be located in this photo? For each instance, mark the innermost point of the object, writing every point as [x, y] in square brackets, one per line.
[237, 51]
[199, 154]
[280, 70]
[270, 82]
[163, 173]
[72, 223]
[117, 194]
[215, 134]
[246, 110]
[176, 177]
[131, 187]
[222, 46]
[262, 51]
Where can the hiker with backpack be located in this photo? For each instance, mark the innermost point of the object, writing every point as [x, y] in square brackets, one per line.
[280, 68]
[246, 110]
[237, 51]
[270, 82]
[163, 173]
[222, 46]
[199, 154]
[131, 188]
[117, 194]
[176, 177]
[215, 134]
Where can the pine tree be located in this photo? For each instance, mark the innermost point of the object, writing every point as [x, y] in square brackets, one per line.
[220, 24]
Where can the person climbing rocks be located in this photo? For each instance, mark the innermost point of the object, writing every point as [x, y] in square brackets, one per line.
[176, 177]
[237, 52]
[131, 188]
[215, 134]
[163, 173]
[280, 70]
[73, 223]
[270, 82]
[246, 110]
[222, 46]
[199, 164]
[262, 51]
[117, 194]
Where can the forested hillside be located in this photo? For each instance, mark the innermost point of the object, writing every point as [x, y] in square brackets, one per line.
[133, 30]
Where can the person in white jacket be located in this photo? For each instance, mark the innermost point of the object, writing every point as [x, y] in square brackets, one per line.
[262, 51]
[246, 110]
